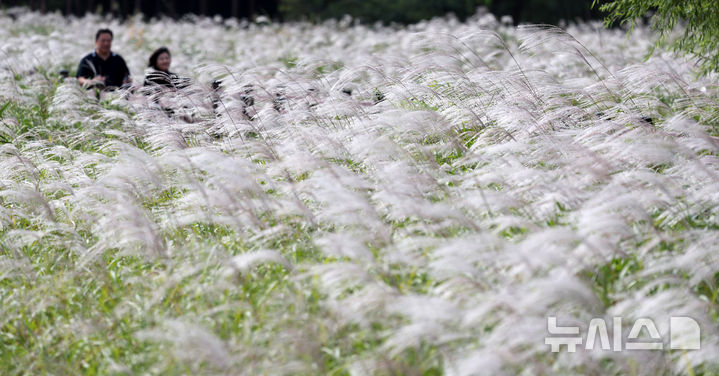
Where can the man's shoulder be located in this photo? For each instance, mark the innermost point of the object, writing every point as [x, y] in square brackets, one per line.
[116, 56]
[88, 56]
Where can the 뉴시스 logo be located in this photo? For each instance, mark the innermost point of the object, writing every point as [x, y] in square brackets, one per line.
[684, 334]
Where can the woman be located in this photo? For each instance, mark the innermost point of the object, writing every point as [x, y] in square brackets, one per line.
[159, 80]
[158, 72]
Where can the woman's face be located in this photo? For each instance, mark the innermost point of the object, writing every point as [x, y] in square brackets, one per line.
[163, 62]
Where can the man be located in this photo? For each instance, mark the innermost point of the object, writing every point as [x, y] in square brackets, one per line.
[102, 66]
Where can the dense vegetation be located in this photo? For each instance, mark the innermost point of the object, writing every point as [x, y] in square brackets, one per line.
[353, 200]
[369, 11]
[698, 18]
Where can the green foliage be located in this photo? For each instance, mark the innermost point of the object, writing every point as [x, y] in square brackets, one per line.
[700, 19]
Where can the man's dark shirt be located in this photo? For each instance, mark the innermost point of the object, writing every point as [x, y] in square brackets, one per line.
[114, 68]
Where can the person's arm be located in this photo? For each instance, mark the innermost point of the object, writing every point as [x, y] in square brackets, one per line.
[86, 74]
[180, 82]
[158, 78]
[91, 81]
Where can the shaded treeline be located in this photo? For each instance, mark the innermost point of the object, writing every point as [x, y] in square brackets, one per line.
[400, 11]
[409, 11]
[171, 8]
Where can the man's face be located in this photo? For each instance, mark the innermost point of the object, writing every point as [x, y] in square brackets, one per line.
[103, 44]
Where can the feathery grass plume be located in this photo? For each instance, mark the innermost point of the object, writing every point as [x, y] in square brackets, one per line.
[354, 199]
[192, 343]
[347, 245]
[244, 262]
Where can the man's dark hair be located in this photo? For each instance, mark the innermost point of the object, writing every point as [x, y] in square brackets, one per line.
[104, 31]
[155, 55]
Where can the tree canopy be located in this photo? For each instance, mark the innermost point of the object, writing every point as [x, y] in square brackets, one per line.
[700, 19]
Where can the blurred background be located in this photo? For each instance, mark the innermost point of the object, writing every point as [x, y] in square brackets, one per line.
[368, 11]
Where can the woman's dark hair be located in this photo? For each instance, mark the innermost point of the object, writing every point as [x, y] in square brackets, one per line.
[156, 54]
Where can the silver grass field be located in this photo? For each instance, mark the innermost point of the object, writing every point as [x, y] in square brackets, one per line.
[353, 200]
